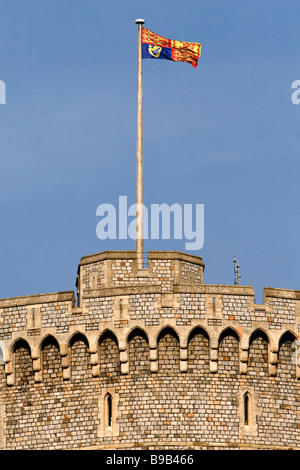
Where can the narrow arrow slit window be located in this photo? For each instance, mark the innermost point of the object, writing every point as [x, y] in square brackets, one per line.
[109, 410]
[246, 409]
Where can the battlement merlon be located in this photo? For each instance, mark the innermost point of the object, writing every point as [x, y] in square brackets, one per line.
[282, 299]
[38, 299]
[281, 293]
[111, 290]
[119, 268]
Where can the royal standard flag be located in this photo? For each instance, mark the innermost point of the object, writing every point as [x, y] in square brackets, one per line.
[157, 47]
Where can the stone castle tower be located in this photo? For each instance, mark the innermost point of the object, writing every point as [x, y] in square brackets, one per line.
[150, 359]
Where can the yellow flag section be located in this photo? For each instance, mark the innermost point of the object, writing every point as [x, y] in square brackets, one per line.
[158, 47]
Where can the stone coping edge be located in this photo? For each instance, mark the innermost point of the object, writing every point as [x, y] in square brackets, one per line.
[38, 299]
[152, 255]
[177, 289]
[281, 293]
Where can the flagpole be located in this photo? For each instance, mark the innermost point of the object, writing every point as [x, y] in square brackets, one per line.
[139, 154]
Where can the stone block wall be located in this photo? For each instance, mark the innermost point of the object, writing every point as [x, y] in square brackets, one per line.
[150, 359]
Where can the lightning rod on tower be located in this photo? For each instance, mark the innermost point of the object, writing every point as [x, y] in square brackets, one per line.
[236, 271]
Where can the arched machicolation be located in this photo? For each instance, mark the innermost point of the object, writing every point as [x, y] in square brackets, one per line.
[150, 358]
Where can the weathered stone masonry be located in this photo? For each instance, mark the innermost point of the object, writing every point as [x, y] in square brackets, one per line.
[150, 358]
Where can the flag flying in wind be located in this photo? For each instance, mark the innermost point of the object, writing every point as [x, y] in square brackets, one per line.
[157, 47]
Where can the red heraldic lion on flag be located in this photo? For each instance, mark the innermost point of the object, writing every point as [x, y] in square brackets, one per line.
[157, 47]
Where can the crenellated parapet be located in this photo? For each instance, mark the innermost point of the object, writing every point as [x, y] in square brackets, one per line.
[149, 358]
[113, 269]
[114, 296]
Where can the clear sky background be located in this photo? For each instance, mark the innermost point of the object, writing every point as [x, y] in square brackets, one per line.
[225, 135]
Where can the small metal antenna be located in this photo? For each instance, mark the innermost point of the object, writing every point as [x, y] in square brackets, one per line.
[236, 271]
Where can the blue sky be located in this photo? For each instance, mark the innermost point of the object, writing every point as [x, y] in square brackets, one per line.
[225, 135]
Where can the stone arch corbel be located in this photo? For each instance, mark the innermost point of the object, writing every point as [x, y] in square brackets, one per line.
[65, 360]
[39, 373]
[134, 328]
[244, 352]
[296, 356]
[142, 330]
[234, 332]
[295, 349]
[215, 335]
[274, 339]
[9, 369]
[65, 352]
[199, 327]
[213, 352]
[6, 347]
[168, 326]
[122, 347]
[272, 348]
[229, 328]
[7, 356]
[93, 341]
[102, 333]
[183, 351]
[153, 352]
[36, 362]
[74, 332]
[45, 337]
[4, 360]
[203, 331]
